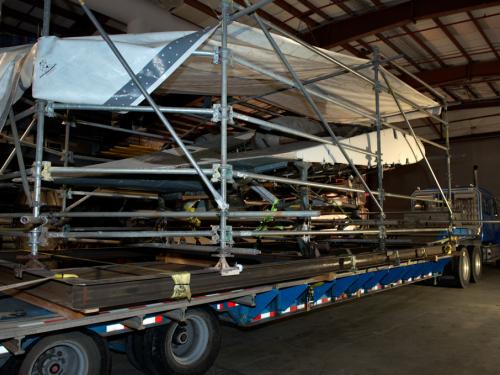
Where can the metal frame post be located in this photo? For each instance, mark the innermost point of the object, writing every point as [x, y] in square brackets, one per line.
[378, 125]
[40, 124]
[67, 128]
[448, 159]
[224, 56]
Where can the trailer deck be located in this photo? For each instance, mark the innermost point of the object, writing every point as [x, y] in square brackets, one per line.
[244, 307]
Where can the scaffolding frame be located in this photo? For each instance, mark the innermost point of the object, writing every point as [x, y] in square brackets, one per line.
[223, 114]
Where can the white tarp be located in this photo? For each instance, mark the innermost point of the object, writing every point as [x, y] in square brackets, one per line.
[398, 149]
[16, 67]
[84, 70]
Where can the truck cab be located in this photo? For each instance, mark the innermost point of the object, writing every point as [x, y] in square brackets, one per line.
[474, 209]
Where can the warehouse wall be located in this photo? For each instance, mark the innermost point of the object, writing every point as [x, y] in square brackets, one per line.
[482, 151]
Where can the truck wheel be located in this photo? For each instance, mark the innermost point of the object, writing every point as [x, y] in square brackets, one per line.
[188, 347]
[461, 267]
[135, 351]
[476, 263]
[72, 353]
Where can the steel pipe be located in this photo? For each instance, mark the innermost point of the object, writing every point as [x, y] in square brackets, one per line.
[62, 171]
[277, 233]
[169, 214]
[298, 133]
[130, 234]
[110, 108]
[290, 181]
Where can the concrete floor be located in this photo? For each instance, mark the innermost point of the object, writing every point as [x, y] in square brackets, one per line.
[417, 329]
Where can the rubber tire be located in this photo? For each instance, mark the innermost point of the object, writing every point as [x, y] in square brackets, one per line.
[135, 351]
[476, 264]
[459, 262]
[163, 360]
[96, 352]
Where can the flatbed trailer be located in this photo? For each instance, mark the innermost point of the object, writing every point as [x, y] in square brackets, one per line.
[182, 336]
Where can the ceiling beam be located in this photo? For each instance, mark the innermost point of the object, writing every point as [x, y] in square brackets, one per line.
[456, 74]
[337, 32]
[474, 104]
[295, 12]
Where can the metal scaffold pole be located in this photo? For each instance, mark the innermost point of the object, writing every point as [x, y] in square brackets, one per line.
[40, 115]
[225, 237]
[380, 167]
[448, 159]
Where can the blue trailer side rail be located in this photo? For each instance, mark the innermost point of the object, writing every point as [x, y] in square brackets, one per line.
[288, 299]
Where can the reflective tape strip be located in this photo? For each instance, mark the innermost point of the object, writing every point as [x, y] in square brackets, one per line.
[153, 320]
[322, 301]
[266, 315]
[293, 308]
[341, 297]
[114, 327]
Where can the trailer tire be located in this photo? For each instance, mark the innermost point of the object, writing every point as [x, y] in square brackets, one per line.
[73, 353]
[461, 267]
[188, 347]
[476, 263]
[135, 351]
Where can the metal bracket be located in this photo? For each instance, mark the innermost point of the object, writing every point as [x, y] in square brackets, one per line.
[230, 115]
[14, 345]
[217, 114]
[179, 315]
[224, 267]
[134, 322]
[45, 174]
[309, 297]
[229, 235]
[216, 56]
[248, 301]
[353, 262]
[215, 233]
[49, 109]
[216, 176]
[227, 171]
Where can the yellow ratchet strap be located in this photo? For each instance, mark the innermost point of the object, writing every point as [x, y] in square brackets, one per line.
[182, 288]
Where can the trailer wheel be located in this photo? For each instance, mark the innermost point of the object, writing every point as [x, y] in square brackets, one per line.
[136, 352]
[188, 347]
[461, 267]
[72, 353]
[476, 263]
